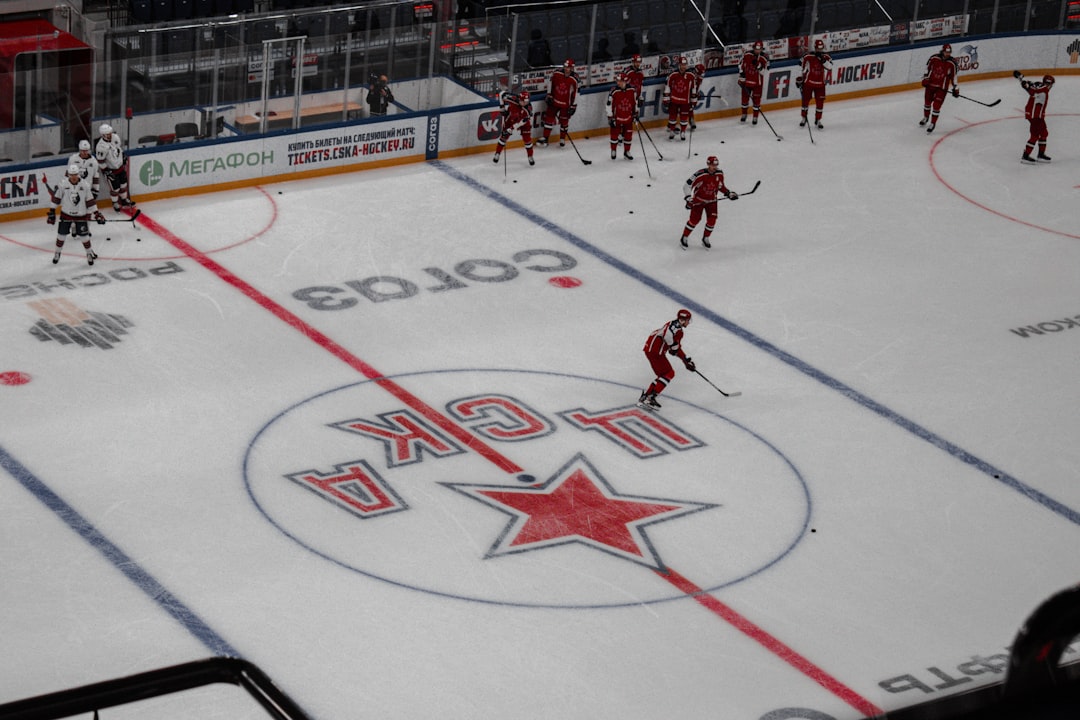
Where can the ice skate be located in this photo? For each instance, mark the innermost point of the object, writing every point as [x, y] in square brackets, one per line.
[1043, 156]
[532, 161]
[819, 125]
[706, 243]
[628, 156]
[56, 257]
[930, 127]
[682, 241]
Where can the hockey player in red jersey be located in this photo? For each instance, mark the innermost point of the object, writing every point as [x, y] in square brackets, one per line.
[701, 192]
[635, 77]
[939, 77]
[561, 101]
[1035, 112]
[699, 78]
[665, 341]
[621, 111]
[517, 114]
[752, 69]
[679, 98]
[812, 82]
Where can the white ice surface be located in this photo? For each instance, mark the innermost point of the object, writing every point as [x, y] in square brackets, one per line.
[862, 300]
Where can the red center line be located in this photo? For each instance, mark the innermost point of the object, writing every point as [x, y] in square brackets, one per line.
[684, 585]
[455, 430]
[772, 644]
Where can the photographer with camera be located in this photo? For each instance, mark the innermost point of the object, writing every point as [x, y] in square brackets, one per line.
[379, 96]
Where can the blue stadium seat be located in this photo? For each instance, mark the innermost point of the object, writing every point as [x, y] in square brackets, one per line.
[580, 20]
[163, 11]
[558, 23]
[676, 33]
[577, 47]
[657, 12]
[142, 10]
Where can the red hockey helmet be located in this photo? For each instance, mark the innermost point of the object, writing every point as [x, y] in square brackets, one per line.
[525, 98]
[683, 317]
[819, 44]
[712, 160]
[569, 64]
[635, 58]
[680, 60]
[1048, 79]
[622, 77]
[699, 69]
[946, 48]
[758, 45]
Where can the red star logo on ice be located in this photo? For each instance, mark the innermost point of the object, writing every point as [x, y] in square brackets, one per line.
[578, 505]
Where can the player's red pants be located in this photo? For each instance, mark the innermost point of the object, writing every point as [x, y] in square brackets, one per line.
[661, 366]
[626, 132]
[1038, 130]
[678, 116]
[816, 92]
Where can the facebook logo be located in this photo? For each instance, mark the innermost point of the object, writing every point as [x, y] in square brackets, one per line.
[779, 84]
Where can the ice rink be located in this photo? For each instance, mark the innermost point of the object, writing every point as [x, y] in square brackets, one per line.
[377, 432]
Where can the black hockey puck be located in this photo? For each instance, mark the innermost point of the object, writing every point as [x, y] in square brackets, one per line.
[138, 239]
[648, 184]
[721, 142]
[631, 177]
[526, 478]
[108, 239]
[515, 181]
[631, 212]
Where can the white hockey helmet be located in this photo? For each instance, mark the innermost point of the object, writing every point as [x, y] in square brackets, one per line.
[74, 170]
[84, 145]
[106, 129]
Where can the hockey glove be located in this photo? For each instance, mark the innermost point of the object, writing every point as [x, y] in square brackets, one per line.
[573, 109]
[956, 92]
[611, 122]
[689, 364]
[1018, 75]
[799, 82]
[51, 219]
[733, 195]
[689, 204]
[99, 218]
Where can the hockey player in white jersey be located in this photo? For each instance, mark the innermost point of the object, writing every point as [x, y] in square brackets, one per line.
[74, 196]
[113, 160]
[88, 166]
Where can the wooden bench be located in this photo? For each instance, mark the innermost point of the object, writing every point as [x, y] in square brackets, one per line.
[282, 119]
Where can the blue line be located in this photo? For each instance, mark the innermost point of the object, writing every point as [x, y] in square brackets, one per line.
[828, 381]
[144, 580]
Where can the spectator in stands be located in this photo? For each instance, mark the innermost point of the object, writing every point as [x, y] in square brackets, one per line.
[539, 52]
[379, 96]
[630, 46]
[602, 53]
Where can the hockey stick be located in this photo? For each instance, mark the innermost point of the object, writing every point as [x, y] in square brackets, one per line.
[690, 144]
[642, 128]
[573, 145]
[750, 191]
[645, 155]
[779, 137]
[725, 394]
[979, 101]
[131, 219]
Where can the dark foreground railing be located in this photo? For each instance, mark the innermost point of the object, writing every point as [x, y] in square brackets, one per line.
[91, 698]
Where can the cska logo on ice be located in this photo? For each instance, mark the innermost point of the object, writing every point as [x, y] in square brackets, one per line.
[525, 488]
